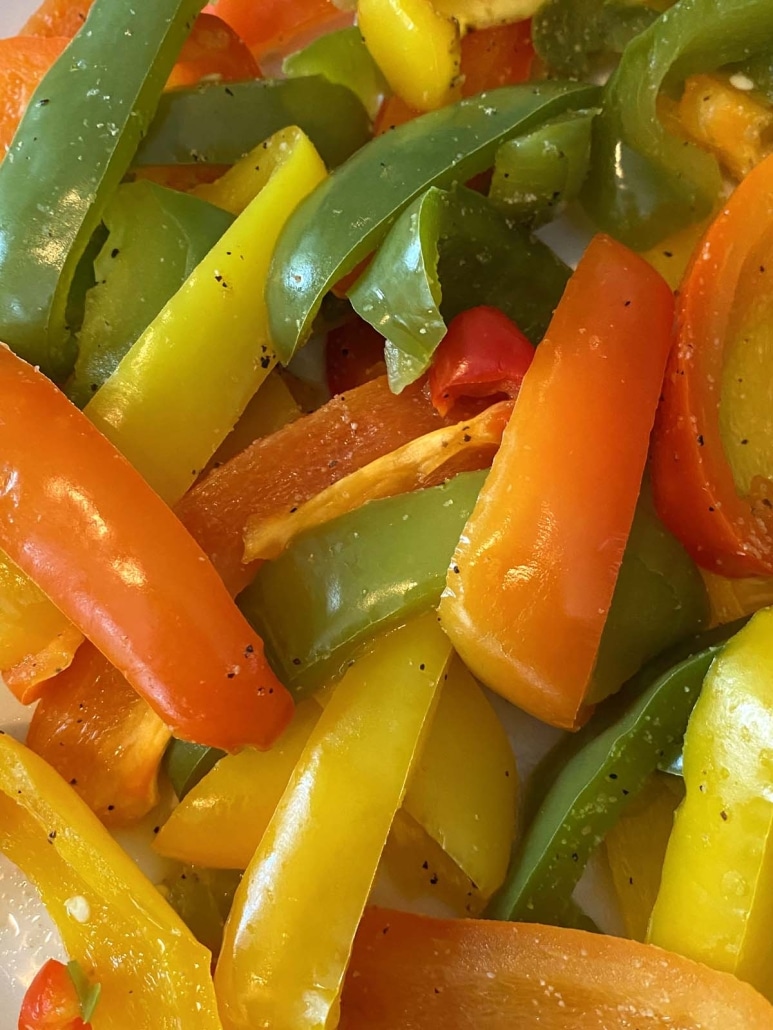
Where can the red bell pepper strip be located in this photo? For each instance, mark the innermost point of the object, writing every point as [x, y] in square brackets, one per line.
[267, 25]
[51, 1001]
[413, 971]
[484, 354]
[78, 519]
[215, 53]
[57, 18]
[724, 306]
[532, 580]
[24, 60]
[354, 354]
[499, 56]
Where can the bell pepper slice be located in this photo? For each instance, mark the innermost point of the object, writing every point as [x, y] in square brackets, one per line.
[600, 366]
[484, 354]
[463, 447]
[711, 456]
[218, 123]
[486, 14]
[410, 970]
[23, 63]
[446, 146]
[130, 578]
[714, 902]
[501, 55]
[362, 750]
[48, 832]
[416, 47]
[354, 354]
[52, 1001]
[156, 238]
[57, 18]
[271, 24]
[428, 269]
[645, 183]
[213, 52]
[108, 83]
[732, 599]
[221, 298]
[595, 777]
[342, 57]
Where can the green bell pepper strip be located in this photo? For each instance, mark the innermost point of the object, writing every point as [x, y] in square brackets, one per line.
[453, 245]
[348, 216]
[187, 764]
[596, 774]
[537, 175]
[156, 238]
[644, 184]
[575, 37]
[218, 123]
[202, 898]
[342, 57]
[71, 150]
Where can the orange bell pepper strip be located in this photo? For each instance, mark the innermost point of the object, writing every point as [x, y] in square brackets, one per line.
[711, 447]
[213, 52]
[393, 112]
[271, 25]
[413, 971]
[532, 579]
[57, 18]
[499, 56]
[24, 60]
[354, 354]
[84, 525]
[51, 1001]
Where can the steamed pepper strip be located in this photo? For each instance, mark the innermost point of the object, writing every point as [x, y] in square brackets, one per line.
[346, 219]
[267, 25]
[48, 832]
[645, 183]
[413, 971]
[107, 83]
[52, 1001]
[23, 63]
[500, 55]
[310, 878]
[87, 528]
[577, 442]
[716, 895]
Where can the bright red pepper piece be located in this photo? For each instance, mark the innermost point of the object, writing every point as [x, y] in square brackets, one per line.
[499, 56]
[51, 1001]
[213, 52]
[267, 25]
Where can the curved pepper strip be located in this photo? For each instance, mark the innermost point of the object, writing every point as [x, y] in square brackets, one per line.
[732, 599]
[711, 464]
[57, 18]
[449, 251]
[53, 1002]
[129, 576]
[577, 441]
[23, 63]
[48, 832]
[269, 25]
[349, 783]
[345, 220]
[413, 971]
[714, 903]
[596, 775]
[218, 124]
[107, 83]
[213, 51]
[645, 183]
[486, 14]
[497, 56]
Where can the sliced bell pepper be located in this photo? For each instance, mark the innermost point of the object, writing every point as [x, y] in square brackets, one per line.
[486, 14]
[52, 1001]
[57, 18]
[484, 354]
[711, 457]
[354, 354]
[350, 779]
[734, 598]
[498, 56]
[218, 123]
[268, 25]
[417, 48]
[202, 898]
[645, 183]
[24, 60]
[213, 52]
[330, 235]
[589, 401]
[129, 577]
[422, 973]
[393, 112]
[446, 252]
[101, 903]
[108, 83]
[464, 447]
[716, 894]
[272, 408]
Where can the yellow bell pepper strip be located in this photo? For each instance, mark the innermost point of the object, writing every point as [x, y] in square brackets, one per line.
[485, 14]
[731, 599]
[733, 124]
[288, 938]
[426, 974]
[180, 355]
[102, 904]
[636, 846]
[468, 446]
[577, 442]
[417, 48]
[716, 897]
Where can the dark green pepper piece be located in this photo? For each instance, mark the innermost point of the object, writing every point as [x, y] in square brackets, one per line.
[347, 216]
[156, 237]
[72, 148]
[217, 123]
[202, 898]
[187, 764]
[455, 246]
[589, 780]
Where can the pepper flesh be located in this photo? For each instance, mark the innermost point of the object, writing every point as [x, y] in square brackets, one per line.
[351, 779]
[559, 449]
[269, 24]
[23, 63]
[61, 847]
[51, 1001]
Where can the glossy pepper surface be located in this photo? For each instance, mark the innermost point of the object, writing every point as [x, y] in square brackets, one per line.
[349, 782]
[51, 1001]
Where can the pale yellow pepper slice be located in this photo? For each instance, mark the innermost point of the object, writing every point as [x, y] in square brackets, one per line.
[289, 936]
[715, 903]
[483, 14]
[113, 921]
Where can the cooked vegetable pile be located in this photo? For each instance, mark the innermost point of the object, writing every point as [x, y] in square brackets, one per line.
[310, 440]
